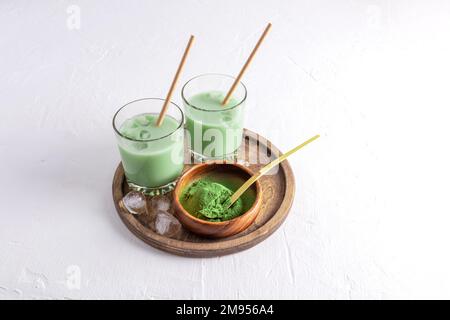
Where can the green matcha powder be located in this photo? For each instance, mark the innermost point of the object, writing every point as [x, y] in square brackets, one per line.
[207, 200]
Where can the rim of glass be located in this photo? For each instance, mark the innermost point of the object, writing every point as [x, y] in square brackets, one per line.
[147, 140]
[213, 74]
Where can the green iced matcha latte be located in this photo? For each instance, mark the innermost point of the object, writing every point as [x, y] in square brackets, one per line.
[215, 130]
[207, 200]
[152, 155]
[151, 163]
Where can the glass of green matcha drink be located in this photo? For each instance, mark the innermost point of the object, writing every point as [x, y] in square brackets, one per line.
[214, 130]
[152, 156]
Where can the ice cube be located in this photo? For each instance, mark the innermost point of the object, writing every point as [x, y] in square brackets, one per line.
[144, 134]
[160, 203]
[135, 202]
[140, 145]
[143, 121]
[226, 117]
[166, 224]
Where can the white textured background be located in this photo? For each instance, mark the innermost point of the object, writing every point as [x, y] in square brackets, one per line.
[371, 217]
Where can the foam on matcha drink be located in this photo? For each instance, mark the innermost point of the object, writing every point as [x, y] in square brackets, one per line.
[153, 156]
[215, 130]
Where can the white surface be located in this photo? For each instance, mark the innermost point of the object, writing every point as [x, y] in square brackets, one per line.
[371, 214]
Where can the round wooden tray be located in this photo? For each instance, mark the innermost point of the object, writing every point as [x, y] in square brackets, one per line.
[278, 194]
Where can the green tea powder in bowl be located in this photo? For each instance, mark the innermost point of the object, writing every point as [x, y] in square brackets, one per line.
[207, 200]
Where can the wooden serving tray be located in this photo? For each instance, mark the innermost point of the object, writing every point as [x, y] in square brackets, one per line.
[278, 195]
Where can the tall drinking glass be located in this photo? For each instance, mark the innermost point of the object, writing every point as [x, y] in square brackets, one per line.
[152, 156]
[214, 130]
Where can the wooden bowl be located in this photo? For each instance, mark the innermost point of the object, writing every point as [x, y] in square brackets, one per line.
[224, 228]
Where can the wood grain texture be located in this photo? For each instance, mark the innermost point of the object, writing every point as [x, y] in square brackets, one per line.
[278, 191]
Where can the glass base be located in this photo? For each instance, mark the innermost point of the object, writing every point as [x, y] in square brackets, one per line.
[199, 158]
[153, 191]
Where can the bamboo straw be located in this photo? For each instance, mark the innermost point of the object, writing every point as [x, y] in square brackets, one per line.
[174, 82]
[247, 63]
[265, 169]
